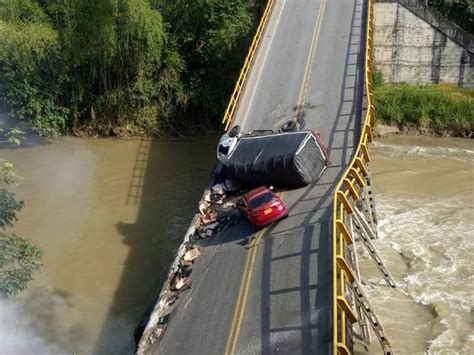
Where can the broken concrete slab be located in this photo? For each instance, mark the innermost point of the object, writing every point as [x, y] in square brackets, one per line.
[192, 254]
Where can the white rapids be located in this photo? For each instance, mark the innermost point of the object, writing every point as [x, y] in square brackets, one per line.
[424, 189]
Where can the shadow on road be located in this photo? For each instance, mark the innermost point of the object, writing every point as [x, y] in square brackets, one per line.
[311, 333]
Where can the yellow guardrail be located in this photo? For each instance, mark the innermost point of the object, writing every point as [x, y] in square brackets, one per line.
[348, 189]
[234, 98]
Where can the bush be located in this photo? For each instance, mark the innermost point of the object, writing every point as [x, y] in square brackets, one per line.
[441, 108]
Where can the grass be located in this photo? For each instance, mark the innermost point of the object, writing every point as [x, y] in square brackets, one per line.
[435, 109]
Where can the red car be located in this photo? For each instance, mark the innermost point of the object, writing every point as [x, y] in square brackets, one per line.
[261, 206]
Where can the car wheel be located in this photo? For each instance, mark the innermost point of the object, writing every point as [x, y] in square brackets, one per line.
[289, 126]
[234, 131]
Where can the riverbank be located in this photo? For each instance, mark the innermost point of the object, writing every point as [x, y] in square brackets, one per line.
[433, 110]
[176, 130]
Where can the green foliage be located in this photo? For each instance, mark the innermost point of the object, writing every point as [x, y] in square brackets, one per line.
[9, 207]
[212, 44]
[458, 11]
[116, 50]
[19, 259]
[21, 10]
[141, 65]
[441, 108]
[377, 80]
[27, 82]
[14, 136]
[8, 175]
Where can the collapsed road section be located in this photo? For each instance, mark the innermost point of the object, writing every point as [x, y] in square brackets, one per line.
[281, 159]
[273, 290]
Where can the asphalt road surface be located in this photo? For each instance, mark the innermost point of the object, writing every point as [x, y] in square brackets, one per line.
[273, 294]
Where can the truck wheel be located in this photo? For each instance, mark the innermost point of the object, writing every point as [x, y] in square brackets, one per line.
[289, 126]
[234, 131]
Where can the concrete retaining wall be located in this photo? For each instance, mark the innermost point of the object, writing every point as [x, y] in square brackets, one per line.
[410, 49]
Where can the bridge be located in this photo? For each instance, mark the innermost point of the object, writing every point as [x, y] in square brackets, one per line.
[295, 286]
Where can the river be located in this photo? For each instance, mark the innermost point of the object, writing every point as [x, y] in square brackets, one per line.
[424, 188]
[109, 215]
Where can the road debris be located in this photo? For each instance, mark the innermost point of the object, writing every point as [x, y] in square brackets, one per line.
[217, 211]
[209, 217]
[218, 189]
[182, 283]
[164, 319]
[192, 254]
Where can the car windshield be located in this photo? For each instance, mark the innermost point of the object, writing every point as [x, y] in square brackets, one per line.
[260, 200]
[223, 150]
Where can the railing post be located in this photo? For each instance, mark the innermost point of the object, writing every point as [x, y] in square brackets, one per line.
[353, 187]
[234, 98]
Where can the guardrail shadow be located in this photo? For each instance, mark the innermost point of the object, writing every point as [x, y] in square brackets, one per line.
[315, 324]
[166, 184]
[307, 325]
[353, 80]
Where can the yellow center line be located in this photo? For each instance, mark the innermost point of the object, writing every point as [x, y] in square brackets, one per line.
[240, 306]
[241, 303]
[253, 254]
[311, 53]
[243, 283]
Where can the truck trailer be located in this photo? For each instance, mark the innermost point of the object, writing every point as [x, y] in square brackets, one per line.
[282, 160]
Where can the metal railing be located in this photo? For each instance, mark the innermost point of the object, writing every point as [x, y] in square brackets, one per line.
[347, 190]
[234, 98]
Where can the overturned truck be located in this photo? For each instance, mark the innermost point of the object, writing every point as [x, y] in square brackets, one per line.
[283, 160]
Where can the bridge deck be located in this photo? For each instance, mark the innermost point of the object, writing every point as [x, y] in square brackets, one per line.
[274, 295]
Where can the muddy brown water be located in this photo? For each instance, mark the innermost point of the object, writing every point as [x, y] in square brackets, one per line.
[109, 215]
[424, 188]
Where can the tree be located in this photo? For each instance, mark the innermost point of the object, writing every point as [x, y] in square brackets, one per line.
[19, 259]
[99, 66]
[459, 11]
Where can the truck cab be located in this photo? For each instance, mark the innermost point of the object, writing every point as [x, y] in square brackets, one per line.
[225, 147]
